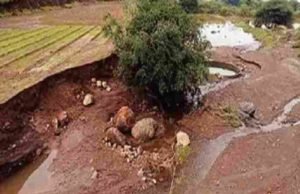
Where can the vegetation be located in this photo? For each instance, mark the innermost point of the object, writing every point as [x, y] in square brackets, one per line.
[190, 6]
[277, 12]
[161, 50]
[231, 115]
[182, 153]
[266, 37]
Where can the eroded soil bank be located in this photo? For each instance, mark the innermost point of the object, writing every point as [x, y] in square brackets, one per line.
[79, 160]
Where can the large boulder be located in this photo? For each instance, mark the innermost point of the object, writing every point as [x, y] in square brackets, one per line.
[124, 119]
[144, 129]
[115, 136]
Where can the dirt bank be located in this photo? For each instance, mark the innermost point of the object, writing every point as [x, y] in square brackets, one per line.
[80, 150]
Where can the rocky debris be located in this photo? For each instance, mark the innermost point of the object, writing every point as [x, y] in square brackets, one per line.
[182, 139]
[147, 176]
[144, 129]
[88, 100]
[131, 153]
[115, 136]
[124, 119]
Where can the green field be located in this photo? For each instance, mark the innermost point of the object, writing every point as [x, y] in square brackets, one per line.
[28, 56]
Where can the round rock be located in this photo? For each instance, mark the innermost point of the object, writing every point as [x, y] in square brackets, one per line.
[182, 139]
[88, 100]
[144, 129]
[124, 119]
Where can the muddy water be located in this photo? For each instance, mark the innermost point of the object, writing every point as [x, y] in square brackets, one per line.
[40, 177]
[36, 177]
[36, 170]
[229, 35]
[211, 150]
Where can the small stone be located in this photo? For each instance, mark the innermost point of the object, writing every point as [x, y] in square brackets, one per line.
[127, 147]
[99, 84]
[108, 89]
[88, 100]
[104, 84]
[63, 118]
[38, 152]
[55, 123]
[248, 108]
[140, 150]
[183, 139]
[128, 160]
[144, 178]
[140, 172]
[14, 146]
[154, 181]
[93, 80]
[94, 175]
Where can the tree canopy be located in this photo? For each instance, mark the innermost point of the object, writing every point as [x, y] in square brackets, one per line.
[161, 49]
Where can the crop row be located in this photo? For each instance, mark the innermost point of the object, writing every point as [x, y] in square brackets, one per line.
[24, 43]
[24, 37]
[38, 56]
[70, 51]
[30, 48]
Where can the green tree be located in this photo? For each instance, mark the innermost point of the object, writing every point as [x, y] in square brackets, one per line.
[277, 12]
[160, 49]
[190, 6]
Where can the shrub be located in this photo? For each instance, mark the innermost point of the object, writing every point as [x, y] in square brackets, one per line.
[276, 12]
[190, 6]
[160, 49]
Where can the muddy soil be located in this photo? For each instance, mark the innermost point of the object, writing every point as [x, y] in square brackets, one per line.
[249, 160]
[80, 13]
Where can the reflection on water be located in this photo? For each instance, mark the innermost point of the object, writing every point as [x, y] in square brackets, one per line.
[37, 172]
[40, 178]
[221, 71]
[229, 35]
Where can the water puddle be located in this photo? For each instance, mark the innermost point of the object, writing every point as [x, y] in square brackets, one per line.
[221, 71]
[37, 172]
[36, 177]
[40, 178]
[229, 35]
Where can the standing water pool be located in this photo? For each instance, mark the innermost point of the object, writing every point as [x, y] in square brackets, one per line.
[229, 35]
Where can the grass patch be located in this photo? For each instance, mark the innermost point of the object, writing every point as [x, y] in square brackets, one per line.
[231, 115]
[182, 153]
[269, 38]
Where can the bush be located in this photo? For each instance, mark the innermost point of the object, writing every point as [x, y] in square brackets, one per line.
[276, 12]
[160, 49]
[190, 6]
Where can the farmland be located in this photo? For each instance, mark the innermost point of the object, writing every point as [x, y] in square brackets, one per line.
[27, 56]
